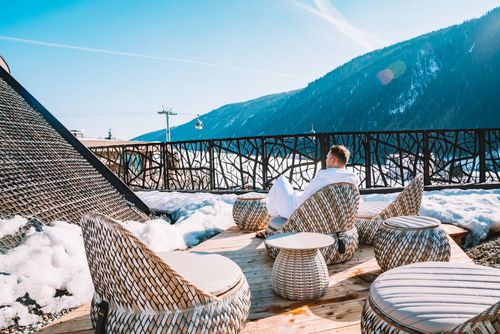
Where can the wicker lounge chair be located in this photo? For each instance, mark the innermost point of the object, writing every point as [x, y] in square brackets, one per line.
[174, 292]
[331, 210]
[371, 215]
[434, 297]
[47, 173]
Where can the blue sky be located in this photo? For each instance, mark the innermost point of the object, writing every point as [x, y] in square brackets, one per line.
[112, 64]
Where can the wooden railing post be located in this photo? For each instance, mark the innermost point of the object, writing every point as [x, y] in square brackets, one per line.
[265, 165]
[482, 155]
[368, 161]
[427, 158]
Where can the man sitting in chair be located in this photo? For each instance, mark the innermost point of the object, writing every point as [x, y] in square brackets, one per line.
[283, 199]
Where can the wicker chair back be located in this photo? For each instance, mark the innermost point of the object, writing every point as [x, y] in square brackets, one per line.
[329, 210]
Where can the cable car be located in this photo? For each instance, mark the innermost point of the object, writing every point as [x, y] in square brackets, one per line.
[199, 124]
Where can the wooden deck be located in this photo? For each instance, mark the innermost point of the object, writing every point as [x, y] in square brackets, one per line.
[339, 311]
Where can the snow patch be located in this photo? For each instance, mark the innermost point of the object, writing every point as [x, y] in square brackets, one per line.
[54, 259]
[471, 47]
[46, 261]
[433, 66]
[11, 226]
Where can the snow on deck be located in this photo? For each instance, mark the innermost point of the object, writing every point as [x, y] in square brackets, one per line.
[54, 259]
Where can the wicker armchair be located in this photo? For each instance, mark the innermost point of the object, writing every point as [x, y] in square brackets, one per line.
[331, 210]
[434, 297]
[145, 294]
[406, 204]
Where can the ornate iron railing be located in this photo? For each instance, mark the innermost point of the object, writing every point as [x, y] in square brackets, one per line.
[382, 159]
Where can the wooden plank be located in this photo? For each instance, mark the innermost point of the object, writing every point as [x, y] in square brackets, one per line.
[77, 321]
[457, 233]
[339, 311]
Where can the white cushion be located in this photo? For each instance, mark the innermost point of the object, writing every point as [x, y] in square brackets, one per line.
[276, 223]
[434, 296]
[413, 222]
[368, 210]
[211, 273]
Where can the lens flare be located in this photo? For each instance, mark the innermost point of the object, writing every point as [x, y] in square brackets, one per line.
[393, 71]
[385, 76]
[398, 68]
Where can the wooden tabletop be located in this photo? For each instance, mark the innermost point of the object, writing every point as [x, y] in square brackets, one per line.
[300, 241]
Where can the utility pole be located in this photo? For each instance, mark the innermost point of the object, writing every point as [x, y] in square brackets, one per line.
[167, 112]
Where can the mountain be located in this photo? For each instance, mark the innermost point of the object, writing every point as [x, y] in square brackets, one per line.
[445, 79]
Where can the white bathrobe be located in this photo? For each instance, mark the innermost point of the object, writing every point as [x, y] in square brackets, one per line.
[283, 199]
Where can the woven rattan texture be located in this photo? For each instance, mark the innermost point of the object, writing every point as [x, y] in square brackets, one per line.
[395, 247]
[300, 274]
[10, 241]
[331, 210]
[145, 294]
[44, 176]
[251, 215]
[406, 204]
[373, 322]
[485, 323]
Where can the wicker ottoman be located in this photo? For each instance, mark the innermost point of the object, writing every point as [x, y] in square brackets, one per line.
[250, 213]
[434, 297]
[299, 271]
[410, 239]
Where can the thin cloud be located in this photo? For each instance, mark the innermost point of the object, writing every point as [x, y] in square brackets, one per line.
[325, 10]
[145, 56]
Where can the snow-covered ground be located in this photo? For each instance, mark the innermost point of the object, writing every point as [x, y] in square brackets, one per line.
[197, 216]
[54, 259]
[44, 262]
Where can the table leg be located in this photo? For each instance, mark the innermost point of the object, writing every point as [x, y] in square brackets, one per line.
[300, 274]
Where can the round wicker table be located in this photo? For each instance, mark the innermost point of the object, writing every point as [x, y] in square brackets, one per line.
[250, 213]
[299, 271]
[410, 239]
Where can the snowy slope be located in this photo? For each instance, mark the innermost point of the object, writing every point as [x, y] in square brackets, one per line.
[444, 79]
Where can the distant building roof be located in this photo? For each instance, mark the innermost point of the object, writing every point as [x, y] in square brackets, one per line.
[106, 142]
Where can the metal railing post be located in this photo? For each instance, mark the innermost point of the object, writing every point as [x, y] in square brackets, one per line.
[368, 161]
[211, 164]
[265, 165]
[323, 149]
[427, 158]
[164, 164]
[124, 160]
[482, 155]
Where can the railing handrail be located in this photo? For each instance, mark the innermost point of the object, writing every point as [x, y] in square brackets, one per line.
[340, 133]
